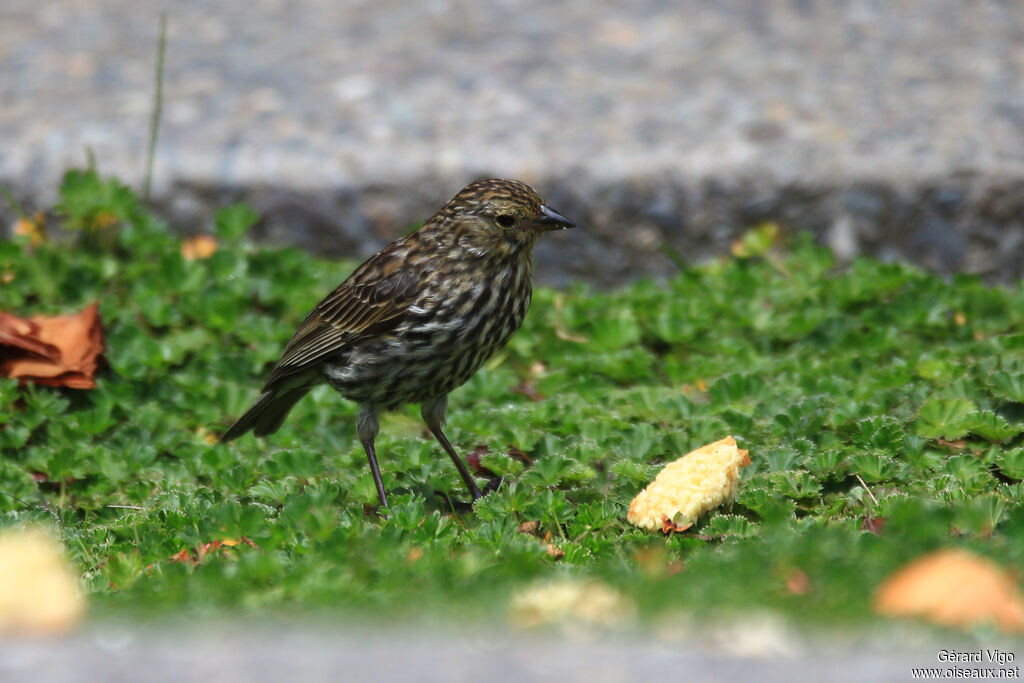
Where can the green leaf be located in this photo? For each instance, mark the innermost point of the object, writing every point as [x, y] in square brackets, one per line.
[796, 484]
[1011, 462]
[971, 474]
[617, 328]
[756, 242]
[89, 203]
[729, 525]
[232, 222]
[1008, 385]
[883, 432]
[757, 499]
[944, 418]
[874, 467]
[990, 426]
[935, 369]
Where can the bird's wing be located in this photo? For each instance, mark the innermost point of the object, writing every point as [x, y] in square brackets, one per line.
[372, 301]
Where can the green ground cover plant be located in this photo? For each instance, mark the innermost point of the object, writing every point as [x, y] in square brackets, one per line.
[882, 406]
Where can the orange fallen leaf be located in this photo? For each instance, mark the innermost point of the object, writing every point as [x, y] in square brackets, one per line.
[32, 227]
[58, 351]
[187, 556]
[207, 548]
[797, 582]
[953, 588]
[700, 385]
[198, 247]
[182, 555]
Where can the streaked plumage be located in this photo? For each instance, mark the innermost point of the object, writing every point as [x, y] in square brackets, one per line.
[418, 318]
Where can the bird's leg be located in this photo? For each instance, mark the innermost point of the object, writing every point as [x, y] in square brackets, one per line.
[368, 427]
[433, 413]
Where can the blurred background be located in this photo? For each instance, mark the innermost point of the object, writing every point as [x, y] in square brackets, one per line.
[894, 128]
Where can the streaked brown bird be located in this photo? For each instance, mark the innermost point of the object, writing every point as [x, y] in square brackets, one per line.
[418, 318]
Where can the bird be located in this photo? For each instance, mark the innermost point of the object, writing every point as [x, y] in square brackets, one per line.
[417, 319]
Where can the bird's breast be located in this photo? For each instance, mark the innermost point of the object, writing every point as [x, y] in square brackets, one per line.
[449, 331]
[471, 308]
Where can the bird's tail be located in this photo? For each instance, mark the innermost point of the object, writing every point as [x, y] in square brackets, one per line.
[266, 414]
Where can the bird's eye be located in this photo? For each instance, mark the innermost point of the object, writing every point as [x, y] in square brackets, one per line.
[506, 220]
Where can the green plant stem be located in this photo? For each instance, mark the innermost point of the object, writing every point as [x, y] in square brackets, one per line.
[158, 97]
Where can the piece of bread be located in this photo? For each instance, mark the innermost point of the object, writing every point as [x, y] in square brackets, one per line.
[687, 488]
[39, 591]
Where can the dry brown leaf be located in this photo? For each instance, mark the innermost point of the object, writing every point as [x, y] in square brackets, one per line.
[953, 588]
[61, 350]
[198, 247]
[528, 389]
[517, 454]
[39, 592]
[554, 551]
[687, 488]
[529, 527]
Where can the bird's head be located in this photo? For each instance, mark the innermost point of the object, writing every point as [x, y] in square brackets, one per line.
[503, 216]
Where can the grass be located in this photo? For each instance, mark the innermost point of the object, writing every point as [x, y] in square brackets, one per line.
[882, 406]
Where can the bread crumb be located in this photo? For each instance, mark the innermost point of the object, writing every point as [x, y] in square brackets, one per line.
[590, 603]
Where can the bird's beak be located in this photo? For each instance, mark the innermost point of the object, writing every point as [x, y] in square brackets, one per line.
[552, 220]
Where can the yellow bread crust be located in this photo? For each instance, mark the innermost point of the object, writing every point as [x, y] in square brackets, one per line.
[690, 486]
